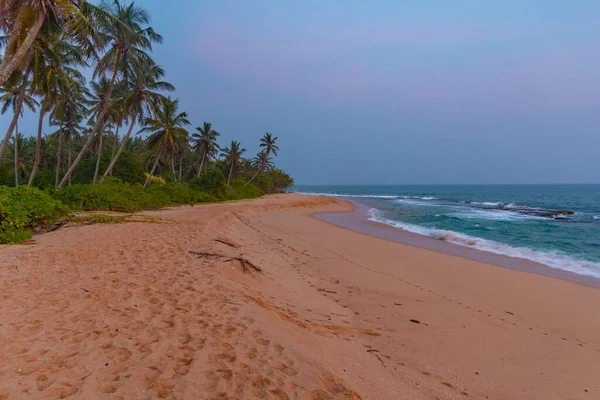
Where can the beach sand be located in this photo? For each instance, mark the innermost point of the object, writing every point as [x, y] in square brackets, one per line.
[124, 311]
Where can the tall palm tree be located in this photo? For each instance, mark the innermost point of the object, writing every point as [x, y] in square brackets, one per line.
[205, 143]
[166, 128]
[127, 42]
[233, 157]
[24, 20]
[141, 101]
[269, 146]
[70, 106]
[21, 152]
[182, 150]
[53, 64]
[13, 97]
[96, 101]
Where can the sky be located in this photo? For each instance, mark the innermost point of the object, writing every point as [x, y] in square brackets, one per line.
[394, 92]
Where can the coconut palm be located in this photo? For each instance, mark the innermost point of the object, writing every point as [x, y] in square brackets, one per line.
[127, 43]
[269, 146]
[21, 151]
[167, 129]
[97, 100]
[232, 156]
[205, 143]
[53, 64]
[262, 161]
[142, 99]
[24, 20]
[70, 106]
[14, 97]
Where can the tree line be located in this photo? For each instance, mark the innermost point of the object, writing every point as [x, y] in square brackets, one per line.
[47, 46]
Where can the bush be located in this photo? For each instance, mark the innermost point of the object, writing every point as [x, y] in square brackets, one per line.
[274, 181]
[23, 209]
[44, 179]
[114, 195]
[212, 182]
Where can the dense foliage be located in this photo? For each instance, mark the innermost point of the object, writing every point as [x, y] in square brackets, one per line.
[22, 209]
[119, 142]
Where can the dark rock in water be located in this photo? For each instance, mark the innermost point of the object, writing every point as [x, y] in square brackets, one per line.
[564, 212]
[559, 215]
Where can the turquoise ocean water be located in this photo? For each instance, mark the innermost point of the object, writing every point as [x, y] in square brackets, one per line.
[555, 225]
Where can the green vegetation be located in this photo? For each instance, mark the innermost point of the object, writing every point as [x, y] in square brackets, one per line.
[23, 209]
[120, 143]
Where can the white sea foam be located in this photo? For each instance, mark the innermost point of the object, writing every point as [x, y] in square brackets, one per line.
[550, 259]
[488, 203]
[365, 196]
[494, 215]
[596, 216]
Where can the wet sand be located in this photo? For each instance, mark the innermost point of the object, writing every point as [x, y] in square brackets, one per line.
[358, 220]
[125, 311]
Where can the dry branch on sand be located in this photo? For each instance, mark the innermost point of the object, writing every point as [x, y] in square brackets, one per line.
[246, 264]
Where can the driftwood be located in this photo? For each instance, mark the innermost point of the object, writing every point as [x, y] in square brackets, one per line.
[225, 242]
[246, 264]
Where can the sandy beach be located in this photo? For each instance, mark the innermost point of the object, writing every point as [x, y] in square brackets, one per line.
[125, 311]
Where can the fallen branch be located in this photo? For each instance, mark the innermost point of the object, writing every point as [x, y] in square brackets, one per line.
[374, 352]
[225, 242]
[246, 264]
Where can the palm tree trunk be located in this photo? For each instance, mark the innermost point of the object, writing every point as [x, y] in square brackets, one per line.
[59, 153]
[173, 166]
[153, 167]
[180, 167]
[201, 164]
[38, 148]
[10, 64]
[16, 156]
[230, 172]
[262, 166]
[99, 156]
[121, 148]
[96, 128]
[70, 156]
[15, 118]
[114, 147]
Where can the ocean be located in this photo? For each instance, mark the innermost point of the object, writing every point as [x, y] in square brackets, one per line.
[554, 225]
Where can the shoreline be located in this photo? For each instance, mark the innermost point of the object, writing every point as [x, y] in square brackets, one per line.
[357, 220]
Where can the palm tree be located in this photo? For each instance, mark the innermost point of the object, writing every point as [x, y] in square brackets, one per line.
[233, 157]
[23, 21]
[53, 63]
[269, 146]
[69, 107]
[127, 42]
[21, 152]
[97, 100]
[205, 143]
[14, 97]
[167, 128]
[182, 150]
[262, 161]
[142, 101]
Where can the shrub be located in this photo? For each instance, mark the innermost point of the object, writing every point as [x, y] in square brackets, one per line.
[211, 182]
[114, 195]
[44, 179]
[22, 209]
